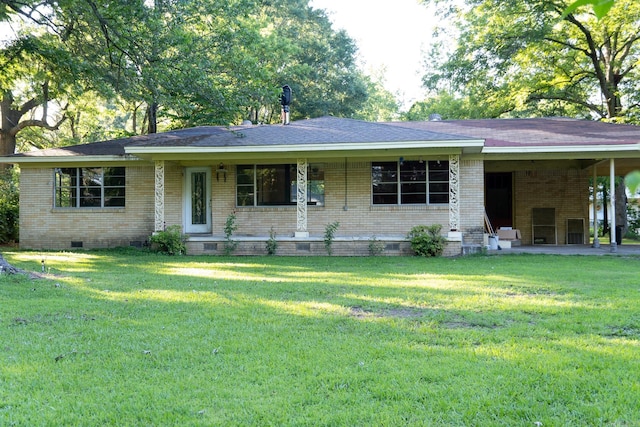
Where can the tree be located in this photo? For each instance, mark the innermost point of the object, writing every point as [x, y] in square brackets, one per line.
[522, 57]
[381, 105]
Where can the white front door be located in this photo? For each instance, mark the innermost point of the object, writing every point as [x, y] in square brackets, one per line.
[197, 200]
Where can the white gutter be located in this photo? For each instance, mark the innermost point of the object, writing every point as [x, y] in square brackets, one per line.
[548, 149]
[69, 159]
[361, 146]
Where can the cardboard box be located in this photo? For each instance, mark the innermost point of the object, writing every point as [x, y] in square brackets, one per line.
[506, 234]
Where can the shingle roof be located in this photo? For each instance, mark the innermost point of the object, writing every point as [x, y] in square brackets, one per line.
[323, 130]
[332, 131]
[538, 131]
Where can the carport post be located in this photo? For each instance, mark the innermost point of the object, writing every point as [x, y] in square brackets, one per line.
[612, 199]
[596, 240]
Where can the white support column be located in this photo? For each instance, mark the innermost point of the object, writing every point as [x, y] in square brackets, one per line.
[159, 196]
[454, 200]
[596, 240]
[612, 198]
[301, 227]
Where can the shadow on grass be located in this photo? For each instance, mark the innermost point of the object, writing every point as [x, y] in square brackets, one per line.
[288, 340]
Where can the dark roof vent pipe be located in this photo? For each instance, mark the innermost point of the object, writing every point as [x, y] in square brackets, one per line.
[285, 101]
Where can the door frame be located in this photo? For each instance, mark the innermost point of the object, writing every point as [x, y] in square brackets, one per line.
[187, 204]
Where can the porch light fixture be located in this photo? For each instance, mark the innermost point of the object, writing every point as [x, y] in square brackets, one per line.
[221, 170]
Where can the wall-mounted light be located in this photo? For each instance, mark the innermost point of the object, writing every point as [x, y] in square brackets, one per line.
[221, 170]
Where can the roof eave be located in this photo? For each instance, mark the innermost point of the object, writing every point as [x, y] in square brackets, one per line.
[562, 152]
[465, 145]
[68, 159]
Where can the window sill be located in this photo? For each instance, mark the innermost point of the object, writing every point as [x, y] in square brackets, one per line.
[408, 208]
[85, 210]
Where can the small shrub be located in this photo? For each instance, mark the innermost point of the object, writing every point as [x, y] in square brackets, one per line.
[230, 227]
[426, 240]
[171, 241]
[329, 235]
[9, 205]
[376, 247]
[272, 243]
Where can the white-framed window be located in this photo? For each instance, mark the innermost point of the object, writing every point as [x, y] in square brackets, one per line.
[276, 185]
[410, 182]
[99, 187]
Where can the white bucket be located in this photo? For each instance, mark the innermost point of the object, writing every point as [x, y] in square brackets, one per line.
[493, 242]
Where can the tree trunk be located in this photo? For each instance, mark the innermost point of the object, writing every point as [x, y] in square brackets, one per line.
[10, 118]
[621, 207]
[152, 115]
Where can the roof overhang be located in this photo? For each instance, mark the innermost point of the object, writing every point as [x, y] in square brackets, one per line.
[308, 150]
[46, 160]
[551, 152]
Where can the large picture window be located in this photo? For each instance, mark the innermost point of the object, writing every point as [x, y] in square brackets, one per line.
[410, 182]
[89, 187]
[276, 185]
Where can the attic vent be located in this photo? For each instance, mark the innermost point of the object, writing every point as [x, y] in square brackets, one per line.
[435, 117]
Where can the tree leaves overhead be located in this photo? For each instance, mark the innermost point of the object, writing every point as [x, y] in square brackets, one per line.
[174, 63]
[522, 57]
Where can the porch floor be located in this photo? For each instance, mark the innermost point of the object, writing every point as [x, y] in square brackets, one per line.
[604, 249]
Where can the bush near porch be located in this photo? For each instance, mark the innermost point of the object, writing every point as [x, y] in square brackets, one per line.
[132, 338]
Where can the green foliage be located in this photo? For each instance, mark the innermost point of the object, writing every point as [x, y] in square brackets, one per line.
[600, 7]
[381, 105]
[521, 59]
[230, 227]
[129, 67]
[272, 243]
[170, 241]
[329, 235]
[376, 247]
[9, 205]
[426, 240]
[632, 180]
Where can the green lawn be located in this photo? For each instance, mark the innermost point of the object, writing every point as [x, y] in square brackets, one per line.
[138, 339]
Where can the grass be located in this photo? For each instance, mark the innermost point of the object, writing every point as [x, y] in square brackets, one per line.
[127, 338]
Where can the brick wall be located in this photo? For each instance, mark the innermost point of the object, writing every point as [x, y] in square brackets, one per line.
[351, 206]
[566, 190]
[347, 200]
[44, 227]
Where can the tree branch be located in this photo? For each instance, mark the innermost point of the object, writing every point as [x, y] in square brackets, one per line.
[38, 123]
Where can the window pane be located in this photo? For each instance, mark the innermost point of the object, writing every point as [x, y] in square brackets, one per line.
[91, 177]
[90, 197]
[315, 192]
[64, 198]
[413, 171]
[97, 187]
[385, 199]
[274, 184]
[418, 187]
[198, 198]
[245, 196]
[244, 175]
[413, 198]
[114, 202]
[384, 182]
[384, 172]
[438, 198]
[439, 187]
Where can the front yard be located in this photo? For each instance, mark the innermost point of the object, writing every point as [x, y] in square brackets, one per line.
[127, 338]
